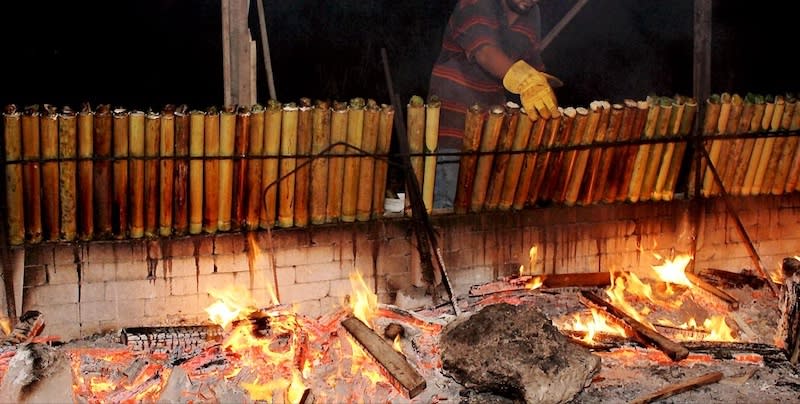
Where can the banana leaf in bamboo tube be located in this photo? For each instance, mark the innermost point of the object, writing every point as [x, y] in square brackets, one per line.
[15, 208]
[684, 130]
[48, 126]
[180, 204]
[302, 188]
[742, 148]
[287, 165]
[385, 123]
[240, 144]
[473, 127]
[643, 155]
[369, 143]
[516, 160]
[678, 108]
[772, 121]
[166, 170]
[352, 163]
[578, 137]
[537, 126]
[753, 147]
[415, 128]
[483, 167]
[255, 149]
[556, 167]
[152, 145]
[269, 166]
[32, 174]
[576, 178]
[710, 119]
[103, 189]
[432, 110]
[726, 159]
[634, 120]
[196, 151]
[68, 180]
[608, 155]
[593, 161]
[227, 142]
[136, 149]
[794, 168]
[85, 169]
[121, 129]
[653, 163]
[716, 144]
[320, 141]
[333, 210]
[787, 152]
[540, 168]
[778, 148]
[498, 172]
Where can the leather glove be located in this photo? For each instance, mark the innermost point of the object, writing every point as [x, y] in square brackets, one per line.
[532, 87]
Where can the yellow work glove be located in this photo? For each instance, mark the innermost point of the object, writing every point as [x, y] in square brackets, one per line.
[532, 87]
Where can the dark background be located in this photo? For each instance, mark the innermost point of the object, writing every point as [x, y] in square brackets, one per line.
[147, 53]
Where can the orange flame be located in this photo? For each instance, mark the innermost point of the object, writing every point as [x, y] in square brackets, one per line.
[673, 271]
[396, 344]
[255, 257]
[598, 324]
[534, 283]
[232, 304]
[363, 302]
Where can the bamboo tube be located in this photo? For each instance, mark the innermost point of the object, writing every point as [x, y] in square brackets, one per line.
[543, 159]
[793, 176]
[48, 124]
[742, 148]
[573, 187]
[352, 163]
[152, 144]
[497, 177]
[726, 160]
[369, 143]
[787, 152]
[385, 123]
[166, 170]
[180, 205]
[633, 127]
[489, 138]
[227, 142]
[685, 129]
[675, 118]
[753, 147]
[103, 190]
[211, 171]
[578, 136]
[772, 116]
[67, 152]
[593, 163]
[415, 128]
[432, 110]
[779, 123]
[196, 151]
[287, 165]
[710, 120]
[269, 167]
[136, 148]
[473, 126]
[121, 126]
[529, 161]
[515, 166]
[302, 188]
[653, 163]
[608, 155]
[255, 149]
[32, 174]
[240, 143]
[85, 169]
[333, 208]
[643, 155]
[557, 163]
[716, 144]
[15, 208]
[321, 139]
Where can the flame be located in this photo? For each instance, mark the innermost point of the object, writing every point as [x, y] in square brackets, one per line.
[233, 303]
[98, 385]
[673, 271]
[5, 325]
[363, 302]
[719, 330]
[534, 283]
[254, 256]
[296, 389]
[534, 253]
[598, 324]
[631, 283]
[396, 344]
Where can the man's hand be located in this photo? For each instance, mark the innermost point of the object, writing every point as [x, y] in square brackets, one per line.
[532, 87]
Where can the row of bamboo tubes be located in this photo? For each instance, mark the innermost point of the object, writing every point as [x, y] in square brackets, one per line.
[114, 173]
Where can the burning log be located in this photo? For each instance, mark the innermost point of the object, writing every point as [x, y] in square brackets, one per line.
[333, 210]
[514, 175]
[788, 336]
[674, 350]
[30, 324]
[369, 143]
[352, 163]
[49, 133]
[432, 111]
[240, 166]
[402, 375]
[166, 170]
[507, 134]
[483, 168]
[32, 174]
[67, 148]
[197, 124]
[589, 279]
[152, 130]
[287, 165]
[466, 166]
[678, 388]
[227, 141]
[321, 139]
[121, 130]
[728, 279]
[103, 190]
[385, 124]
[181, 217]
[302, 185]
[168, 339]
[733, 304]
[13, 181]
[269, 166]
[85, 168]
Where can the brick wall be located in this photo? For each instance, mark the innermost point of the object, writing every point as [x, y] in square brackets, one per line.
[94, 287]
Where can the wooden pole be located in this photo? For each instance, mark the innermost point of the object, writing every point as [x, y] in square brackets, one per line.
[508, 132]
[85, 169]
[196, 151]
[302, 187]
[181, 200]
[415, 124]
[321, 139]
[254, 167]
[287, 165]
[227, 142]
[136, 148]
[240, 162]
[121, 130]
[466, 168]
[530, 159]
[369, 143]
[589, 183]
[269, 167]
[227, 69]
[352, 163]
[152, 143]
[32, 174]
[514, 169]
[265, 49]
[489, 138]
[67, 151]
[103, 183]
[432, 111]
[48, 123]
[336, 164]
[385, 123]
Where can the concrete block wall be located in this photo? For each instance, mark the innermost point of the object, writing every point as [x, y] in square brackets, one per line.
[103, 286]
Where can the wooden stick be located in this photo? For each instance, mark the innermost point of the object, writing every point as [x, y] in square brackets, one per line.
[254, 167]
[85, 168]
[415, 128]
[32, 174]
[552, 281]
[489, 138]
[678, 107]
[166, 170]
[181, 202]
[321, 139]
[530, 160]
[685, 129]
[717, 292]
[121, 130]
[385, 124]
[589, 182]
[103, 190]
[549, 187]
[67, 151]
[674, 350]
[543, 158]
[302, 187]
[678, 388]
[287, 165]
[152, 133]
[136, 148]
[576, 178]
[498, 174]
[772, 118]
[15, 208]
[618, 189]
[48, 124]
[466, 166]
[576, 136]
[369, 144]
[269, 167]
[352, 163]
[211, 170]
[742, 148]
[400, 373]
[600, 181]
[227, 143]
[787, 152]
[241, 141]
[336, 164]
[432, 111]
[514, 172]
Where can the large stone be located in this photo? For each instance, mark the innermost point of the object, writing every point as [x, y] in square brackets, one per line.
[517, 352]
[37, 374]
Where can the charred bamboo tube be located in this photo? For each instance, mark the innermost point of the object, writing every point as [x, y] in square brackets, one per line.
[643, 155]
[716, 144]
[773, 113]
[726, 159]
[121, 130]
[779, 146]
[255, 150]
[432, 110]
[497, 177]
[710, 119]
[227, 143]
[368, 144]
[14, 189]
[599, 182]
[686, 125]
[415, 128]
[352, 163]
[755, 145]
[152, 144]
[32, 174]
[166, 170]
[336, 164]
[634, 120]
[570, 157]
[287, 165]
[85, 168]
[556, 166]
[593, 163]
[48, 124]
[524, 182]
[136, 149]
[321, 139]
[675, 118]
[67, 152]
[240, 162]
[489, 138]
[302, 188]
[543, 158]
[473, 127]
[742, 148]
[181, 212]
[196, 150]
[576, 177]
[653, 163]
[793, 176]
[103, 190]
[211, 170]
[385, 123]
[787, 154]
[269, 167]
[514, 169]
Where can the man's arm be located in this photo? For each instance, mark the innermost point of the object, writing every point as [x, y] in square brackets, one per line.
[493, 60]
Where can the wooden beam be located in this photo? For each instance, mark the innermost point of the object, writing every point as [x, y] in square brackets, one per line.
[678, 388]
[226, 52]
[733, 304]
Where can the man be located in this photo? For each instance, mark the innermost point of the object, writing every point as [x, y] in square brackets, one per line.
[489, 47]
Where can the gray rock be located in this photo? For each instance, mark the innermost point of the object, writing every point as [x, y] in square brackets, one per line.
[37, 374]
